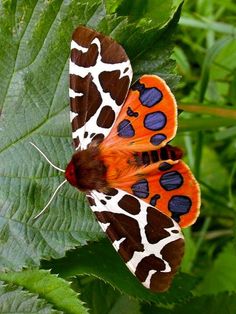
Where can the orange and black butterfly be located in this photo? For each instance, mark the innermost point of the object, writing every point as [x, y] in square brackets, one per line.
[136, 184]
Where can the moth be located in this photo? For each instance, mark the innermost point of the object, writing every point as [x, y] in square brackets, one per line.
[140, 191]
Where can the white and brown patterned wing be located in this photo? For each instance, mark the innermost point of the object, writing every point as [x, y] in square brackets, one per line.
[150, 243]
[100, 76]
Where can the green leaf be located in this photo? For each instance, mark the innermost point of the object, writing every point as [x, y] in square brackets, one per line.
[34, 63]
[102, 298]
[207, 24]
[157, 58]
[15, 300]
[222, 303]
[182, 62]
[232, 91]
[190, 251]
[209, 59]
[102, 261]
[139, 10]
[148, 45]
[212, 169]
[224, 134]
[203, 124]
[52, 289]
[221, 276]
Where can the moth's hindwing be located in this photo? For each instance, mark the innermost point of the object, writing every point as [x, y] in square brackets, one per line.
[150, 243]
[100, 76]
[171, 188]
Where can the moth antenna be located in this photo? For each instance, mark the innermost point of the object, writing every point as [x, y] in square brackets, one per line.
[52, 197]
[62, 170]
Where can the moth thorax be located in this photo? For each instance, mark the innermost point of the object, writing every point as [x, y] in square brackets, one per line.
[86, 171]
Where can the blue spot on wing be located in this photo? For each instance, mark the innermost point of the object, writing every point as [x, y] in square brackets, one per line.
[179, 205]
[125, 129]
[155, 121]
[150, 96]
[140, 188]
[171, 180]
[164, 166]
[157, 139]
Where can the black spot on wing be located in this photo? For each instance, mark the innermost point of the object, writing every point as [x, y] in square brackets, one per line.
[154, 199]
[132, 113]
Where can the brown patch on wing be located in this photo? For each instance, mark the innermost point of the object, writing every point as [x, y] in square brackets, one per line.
[148, 263]
[112, 192]
[119, 227]
[155, 228]
[98, 138]
[111, 51]
[85, 59]
[172, 253]
[87, 104]
[106, 117]
[76, 142]
[91, 200]
[130, 204]
[119, 89]
[160, 281]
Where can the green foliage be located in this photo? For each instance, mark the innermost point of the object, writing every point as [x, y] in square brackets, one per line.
[14, 299]
[221, 277]
[35, 38]
[91, 260]
[49, 287]
[113, 302]
[223, 303]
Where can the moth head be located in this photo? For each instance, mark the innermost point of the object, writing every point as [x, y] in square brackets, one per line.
[70, 173]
